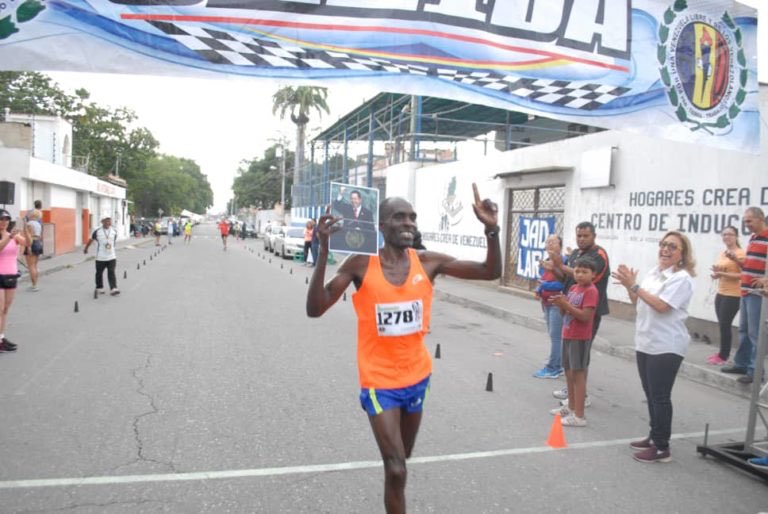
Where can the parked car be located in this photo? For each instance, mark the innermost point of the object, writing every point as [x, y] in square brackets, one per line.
[250, 230]
[289, 242]
[269, 237]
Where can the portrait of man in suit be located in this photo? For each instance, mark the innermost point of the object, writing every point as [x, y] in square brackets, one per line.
[353, 208]
[358, 209]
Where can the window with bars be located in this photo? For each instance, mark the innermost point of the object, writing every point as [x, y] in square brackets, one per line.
[534, 202]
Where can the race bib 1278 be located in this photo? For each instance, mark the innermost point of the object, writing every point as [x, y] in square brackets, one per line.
[399, 319]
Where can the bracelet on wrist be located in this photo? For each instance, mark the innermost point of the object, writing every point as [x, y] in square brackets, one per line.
[634, 289]
[492, 232]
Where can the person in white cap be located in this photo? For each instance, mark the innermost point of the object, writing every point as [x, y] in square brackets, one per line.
[106, 239]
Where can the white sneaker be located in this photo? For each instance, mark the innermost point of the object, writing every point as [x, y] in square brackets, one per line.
[561, 394]
[587, 402]
[100, 290]
[114, 292]
[573, 421]
[564, 411]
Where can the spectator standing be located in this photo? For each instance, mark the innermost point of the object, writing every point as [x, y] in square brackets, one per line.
[586, 247]
[578, 310]
[752, 270]
[315, 243]
[661, 338]
[10, 241]
[105, 238]
[549, 287]
[309, 230]
[727, 272]
[32, 253]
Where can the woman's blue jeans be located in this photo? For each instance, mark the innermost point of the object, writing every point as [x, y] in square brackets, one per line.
[555, 329]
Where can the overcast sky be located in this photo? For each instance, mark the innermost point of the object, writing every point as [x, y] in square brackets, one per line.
[218, 123]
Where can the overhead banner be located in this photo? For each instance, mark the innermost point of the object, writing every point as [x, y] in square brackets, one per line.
[661, 67]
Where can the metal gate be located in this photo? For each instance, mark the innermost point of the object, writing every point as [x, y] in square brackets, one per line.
[540, 201]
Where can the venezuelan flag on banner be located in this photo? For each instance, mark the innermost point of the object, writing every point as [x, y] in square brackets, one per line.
[658, 67]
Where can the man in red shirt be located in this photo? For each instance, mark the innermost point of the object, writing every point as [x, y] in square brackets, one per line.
[752, 270]
[224, 229]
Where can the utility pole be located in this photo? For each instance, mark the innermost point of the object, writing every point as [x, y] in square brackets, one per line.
[280, 151]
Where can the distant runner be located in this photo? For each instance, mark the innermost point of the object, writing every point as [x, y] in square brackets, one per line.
[224, 229]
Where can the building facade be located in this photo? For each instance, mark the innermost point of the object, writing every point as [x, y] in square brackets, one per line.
[633, 188]
[36, 152]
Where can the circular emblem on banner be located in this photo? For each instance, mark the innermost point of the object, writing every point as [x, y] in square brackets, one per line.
[354, 239]
[14, 12]
[703, 68]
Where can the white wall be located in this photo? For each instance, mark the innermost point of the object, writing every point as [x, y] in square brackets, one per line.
[699, 190]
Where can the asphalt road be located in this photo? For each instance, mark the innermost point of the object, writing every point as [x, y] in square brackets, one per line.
[204, 387]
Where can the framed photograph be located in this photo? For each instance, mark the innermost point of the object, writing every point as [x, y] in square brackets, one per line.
[358, 208]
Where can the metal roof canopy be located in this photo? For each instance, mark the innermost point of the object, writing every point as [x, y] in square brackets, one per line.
[441, 118]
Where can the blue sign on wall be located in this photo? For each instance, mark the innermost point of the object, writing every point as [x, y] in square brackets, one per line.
[532, 244]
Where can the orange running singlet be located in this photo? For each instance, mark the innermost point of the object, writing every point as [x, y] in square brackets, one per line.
[391, 323]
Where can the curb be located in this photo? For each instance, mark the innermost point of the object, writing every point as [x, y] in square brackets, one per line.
[693, 372]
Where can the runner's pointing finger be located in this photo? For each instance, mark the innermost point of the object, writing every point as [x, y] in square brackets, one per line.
[477, 194]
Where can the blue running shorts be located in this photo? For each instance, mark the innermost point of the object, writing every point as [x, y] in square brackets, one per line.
[411, 398]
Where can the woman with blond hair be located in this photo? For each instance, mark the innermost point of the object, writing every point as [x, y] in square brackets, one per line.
[727, 271]
[661, 338]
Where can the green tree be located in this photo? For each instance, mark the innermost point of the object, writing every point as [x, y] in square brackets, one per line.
[300, 101]
[101, 137]
[34, 93]
[171, 184]
[258, 181]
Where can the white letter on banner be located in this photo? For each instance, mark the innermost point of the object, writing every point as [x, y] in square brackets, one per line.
[460, 8]
[529, 15]
[586, 26]
[525, 231]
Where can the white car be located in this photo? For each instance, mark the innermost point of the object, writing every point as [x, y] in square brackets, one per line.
[270, 233]
[289, 242]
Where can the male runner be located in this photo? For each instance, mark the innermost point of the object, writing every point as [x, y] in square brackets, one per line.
[393, 304]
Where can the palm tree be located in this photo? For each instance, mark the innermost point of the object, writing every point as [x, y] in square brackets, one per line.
[299, 101]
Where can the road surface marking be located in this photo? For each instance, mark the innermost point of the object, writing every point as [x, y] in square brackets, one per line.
[320, 468]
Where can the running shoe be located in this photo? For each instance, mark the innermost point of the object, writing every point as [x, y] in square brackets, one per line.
[716, 360]
[100, 290]
[572, 420]
[545, 372]
[642, 444]
[561, 394]
[652, 455]
[759, 462]
[8, 343]
[4, 347]
[114, 292]
[587, 402]
[564, 411]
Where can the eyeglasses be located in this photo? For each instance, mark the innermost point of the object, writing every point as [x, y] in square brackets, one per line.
[671, 246]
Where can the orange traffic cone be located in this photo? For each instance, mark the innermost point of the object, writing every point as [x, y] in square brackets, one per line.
[556, 437]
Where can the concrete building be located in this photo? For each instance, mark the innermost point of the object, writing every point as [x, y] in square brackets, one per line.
[633, 188]
[36, 157]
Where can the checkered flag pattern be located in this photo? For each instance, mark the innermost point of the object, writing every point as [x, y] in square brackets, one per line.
[232, 48]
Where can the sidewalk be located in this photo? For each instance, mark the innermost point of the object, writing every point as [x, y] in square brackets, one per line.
[48, 265]
[615, 337]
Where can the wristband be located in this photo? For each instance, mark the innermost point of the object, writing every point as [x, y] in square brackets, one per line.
[634, 289]
[492, 232]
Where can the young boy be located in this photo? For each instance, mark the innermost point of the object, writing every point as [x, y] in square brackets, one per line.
[578, 310]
